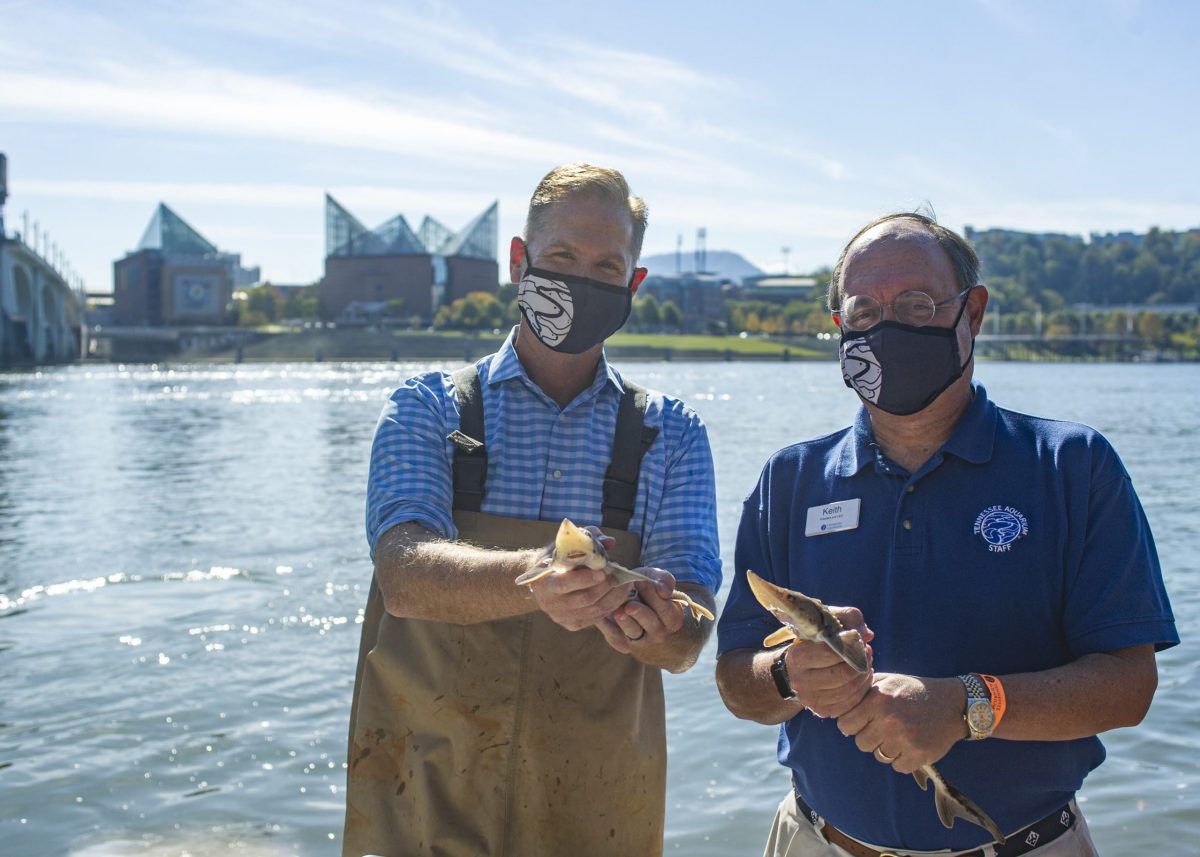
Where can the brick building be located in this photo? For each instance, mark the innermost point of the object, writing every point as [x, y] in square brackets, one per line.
[423, 269]
[175, 276]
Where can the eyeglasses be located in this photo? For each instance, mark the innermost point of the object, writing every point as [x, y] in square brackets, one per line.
[860, 312]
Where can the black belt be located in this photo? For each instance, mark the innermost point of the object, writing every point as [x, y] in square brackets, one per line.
[1023, 841]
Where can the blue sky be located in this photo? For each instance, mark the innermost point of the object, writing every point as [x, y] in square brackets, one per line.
[772, 125]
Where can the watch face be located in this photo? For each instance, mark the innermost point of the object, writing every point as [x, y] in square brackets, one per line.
[980, 717]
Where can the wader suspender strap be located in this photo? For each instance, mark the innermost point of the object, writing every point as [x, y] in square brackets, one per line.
[631, 438]
[630, 441]
[470, 453]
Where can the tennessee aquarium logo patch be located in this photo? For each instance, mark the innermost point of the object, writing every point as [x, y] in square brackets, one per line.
[1000, 526]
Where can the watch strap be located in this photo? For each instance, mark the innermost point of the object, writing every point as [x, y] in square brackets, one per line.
[975, 688]
[977, 694]
[780, 674]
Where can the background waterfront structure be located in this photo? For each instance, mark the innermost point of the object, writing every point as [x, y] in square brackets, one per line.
[700, 297]
[779, 288]
[411, 272]
[176, 276]
[40, 314]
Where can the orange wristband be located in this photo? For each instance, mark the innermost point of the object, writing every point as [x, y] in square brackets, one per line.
[996, 689]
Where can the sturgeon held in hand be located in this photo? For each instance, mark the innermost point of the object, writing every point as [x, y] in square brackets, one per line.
[575, 547]
[808, 619]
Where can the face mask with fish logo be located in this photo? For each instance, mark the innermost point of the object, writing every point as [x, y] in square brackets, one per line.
[569, 313]
[901, 368]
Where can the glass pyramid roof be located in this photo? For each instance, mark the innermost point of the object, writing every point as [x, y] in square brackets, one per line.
[476, 240]
[168, 232]
[434, 234]
[346, 236]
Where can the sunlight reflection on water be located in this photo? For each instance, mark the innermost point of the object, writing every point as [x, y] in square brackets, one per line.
[183, 572]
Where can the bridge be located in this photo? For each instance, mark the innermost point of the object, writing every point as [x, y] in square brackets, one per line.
[146, 344]
[1025, 346]
[41, 317]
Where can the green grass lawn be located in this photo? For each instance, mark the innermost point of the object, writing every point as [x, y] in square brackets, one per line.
[357, 343]
[750, 346]
[691, 343]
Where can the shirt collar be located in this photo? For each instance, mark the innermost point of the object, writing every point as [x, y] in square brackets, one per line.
[975, 434]
[971, 440]
[506, 365]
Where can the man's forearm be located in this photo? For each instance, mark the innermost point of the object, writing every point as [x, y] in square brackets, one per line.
[422, 576]
[1093, 694]
[749, 692]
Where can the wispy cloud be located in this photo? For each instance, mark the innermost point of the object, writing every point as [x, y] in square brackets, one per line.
[229, 103]
[418, 80]
[447, 203]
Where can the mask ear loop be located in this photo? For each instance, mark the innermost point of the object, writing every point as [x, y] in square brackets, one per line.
[526, 258]
[957, 319]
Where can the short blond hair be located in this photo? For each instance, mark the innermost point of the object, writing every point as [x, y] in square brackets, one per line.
[586, 179]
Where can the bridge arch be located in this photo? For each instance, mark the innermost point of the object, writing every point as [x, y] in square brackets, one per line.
[22, 292]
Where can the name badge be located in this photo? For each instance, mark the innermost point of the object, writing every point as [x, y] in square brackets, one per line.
[832, 517]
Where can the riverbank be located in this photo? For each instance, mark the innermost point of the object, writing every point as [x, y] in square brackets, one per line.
[317, 344]
[340, 344]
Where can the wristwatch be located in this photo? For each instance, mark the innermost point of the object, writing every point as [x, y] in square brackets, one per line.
[780, 674]
[979, 714]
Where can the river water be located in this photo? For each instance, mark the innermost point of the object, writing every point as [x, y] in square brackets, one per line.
[182, 567]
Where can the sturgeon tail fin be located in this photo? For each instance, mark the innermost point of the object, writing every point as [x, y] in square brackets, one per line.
[952, 803]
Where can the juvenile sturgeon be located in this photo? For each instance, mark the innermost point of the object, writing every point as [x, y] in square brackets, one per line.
[575, 547]
[806, 618]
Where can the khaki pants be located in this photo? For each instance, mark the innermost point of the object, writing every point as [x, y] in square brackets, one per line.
[794, 836]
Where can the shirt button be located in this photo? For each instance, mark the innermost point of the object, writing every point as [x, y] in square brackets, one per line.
[558, 474]
[911, 488]
[907, 524]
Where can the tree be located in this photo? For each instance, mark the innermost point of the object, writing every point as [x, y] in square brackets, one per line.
[466, 313]
[1150, 327]
[300, 304]
[264, 302]
[672, 318]
[476, 311]
[649, 312]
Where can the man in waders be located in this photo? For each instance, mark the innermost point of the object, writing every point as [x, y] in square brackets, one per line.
[496, 719]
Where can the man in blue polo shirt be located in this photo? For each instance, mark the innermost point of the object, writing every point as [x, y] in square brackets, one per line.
[1000, 565]
[491, 718]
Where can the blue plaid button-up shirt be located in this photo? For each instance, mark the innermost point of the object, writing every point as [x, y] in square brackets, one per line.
[547, 463]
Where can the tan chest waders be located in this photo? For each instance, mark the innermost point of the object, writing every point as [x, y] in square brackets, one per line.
[511, 738]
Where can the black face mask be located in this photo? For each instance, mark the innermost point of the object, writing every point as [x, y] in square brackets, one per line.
[572, 314]
[899, 368]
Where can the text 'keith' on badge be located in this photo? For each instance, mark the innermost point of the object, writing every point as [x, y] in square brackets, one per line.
[832, 517]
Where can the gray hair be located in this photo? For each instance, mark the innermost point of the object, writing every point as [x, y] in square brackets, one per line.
[960, 252]
[585, 179]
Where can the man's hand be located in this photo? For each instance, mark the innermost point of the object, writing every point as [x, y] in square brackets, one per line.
[647, 620]
[824, 683]
[911, 721]
[580, 597]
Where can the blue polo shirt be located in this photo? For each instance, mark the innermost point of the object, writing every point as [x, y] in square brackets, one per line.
[1019, 546]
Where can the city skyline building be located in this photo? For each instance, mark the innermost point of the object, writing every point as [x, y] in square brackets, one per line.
[176, 276]
[411, 272]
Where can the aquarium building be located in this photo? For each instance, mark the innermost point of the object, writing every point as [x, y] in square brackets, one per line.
[410, 272]
[176, 276]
